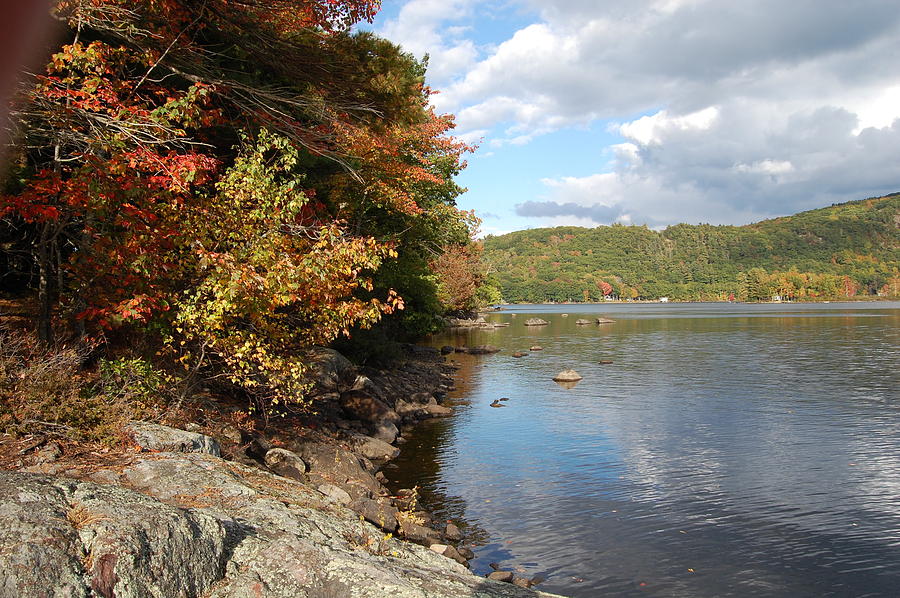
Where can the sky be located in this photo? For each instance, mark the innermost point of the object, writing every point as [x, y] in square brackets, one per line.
[655, 112]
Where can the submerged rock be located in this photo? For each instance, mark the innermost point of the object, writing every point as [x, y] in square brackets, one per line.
[482, 350]
[519, 354]
[605, 321]
[582, 322]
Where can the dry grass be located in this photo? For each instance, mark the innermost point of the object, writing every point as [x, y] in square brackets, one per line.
[47, 390]
[80, 516]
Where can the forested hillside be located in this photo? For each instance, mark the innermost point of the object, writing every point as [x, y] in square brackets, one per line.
[845, 250]
[213, 187]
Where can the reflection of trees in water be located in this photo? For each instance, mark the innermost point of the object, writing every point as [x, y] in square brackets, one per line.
[418, 463]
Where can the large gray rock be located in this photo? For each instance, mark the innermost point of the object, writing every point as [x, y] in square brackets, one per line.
[155, 437]
[192, 526]
[81, 539]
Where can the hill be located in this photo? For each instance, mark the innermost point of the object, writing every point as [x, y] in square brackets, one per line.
[844, 250]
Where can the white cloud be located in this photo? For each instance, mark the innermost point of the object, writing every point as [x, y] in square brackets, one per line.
[728, 112]
[772, 167]
[731, 170]
[419, 28]
[650, 129]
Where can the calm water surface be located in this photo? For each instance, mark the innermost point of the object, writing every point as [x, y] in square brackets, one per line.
[728, 450]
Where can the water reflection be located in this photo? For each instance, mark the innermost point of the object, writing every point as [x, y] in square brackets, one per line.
[567, 384]
[728, 450]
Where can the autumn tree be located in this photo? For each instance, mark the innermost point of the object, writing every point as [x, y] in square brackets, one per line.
[244, 178]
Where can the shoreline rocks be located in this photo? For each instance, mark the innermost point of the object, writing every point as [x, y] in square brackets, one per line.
[280, 519]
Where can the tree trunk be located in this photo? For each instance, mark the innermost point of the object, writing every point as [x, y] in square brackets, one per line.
[45, 274]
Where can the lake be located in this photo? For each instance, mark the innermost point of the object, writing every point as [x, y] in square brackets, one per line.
[728, 450]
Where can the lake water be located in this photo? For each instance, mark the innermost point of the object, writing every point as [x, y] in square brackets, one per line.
[728, 450]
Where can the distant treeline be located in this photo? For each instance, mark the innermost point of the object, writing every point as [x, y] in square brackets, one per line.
[846, 250]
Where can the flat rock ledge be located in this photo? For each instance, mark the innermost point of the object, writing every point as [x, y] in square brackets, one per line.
[192, 525]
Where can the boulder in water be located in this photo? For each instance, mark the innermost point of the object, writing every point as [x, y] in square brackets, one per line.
[536, 322]
[567, 376]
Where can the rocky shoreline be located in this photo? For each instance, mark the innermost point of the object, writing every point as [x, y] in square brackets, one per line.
[215, 512]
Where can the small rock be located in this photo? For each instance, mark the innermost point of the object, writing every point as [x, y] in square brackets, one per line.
[449, 552]
[231, 434]
[446, 350]
[155, 437]
[46, 454]
[438, 410]
[362, 406]
[418, 533]
[422, 397]
[537, 348]
[497, 404]
[386, 433]
[519, 354]
[380, 477]
[494, 566]
[582, 322]
[567, 376]
[504, 398]
[536, 322]
[380, 515]
[504, 576]
[285, 463]
[565, 315]
[336, 494]
[466, 552]
[258, 447]
[452, 533]
[605, 321]
[605, 361]
[521, 582]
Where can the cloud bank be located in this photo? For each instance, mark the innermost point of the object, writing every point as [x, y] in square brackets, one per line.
[726, 112]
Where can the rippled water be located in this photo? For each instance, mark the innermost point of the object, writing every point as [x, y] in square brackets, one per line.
[728, 450]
